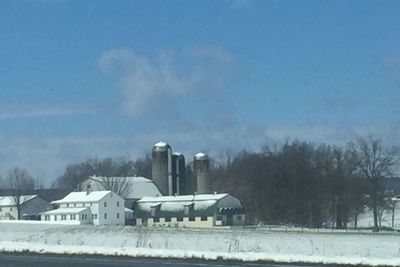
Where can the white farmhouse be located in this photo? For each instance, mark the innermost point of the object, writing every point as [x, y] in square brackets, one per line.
[199, 211]
[96, 207]
[30, 207]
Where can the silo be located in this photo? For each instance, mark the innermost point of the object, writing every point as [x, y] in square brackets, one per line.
[201, 169]
[162, 167]
[178, 173]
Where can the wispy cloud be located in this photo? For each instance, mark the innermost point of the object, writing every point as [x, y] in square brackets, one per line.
[238, 3]
[159, 86]
[15, 112]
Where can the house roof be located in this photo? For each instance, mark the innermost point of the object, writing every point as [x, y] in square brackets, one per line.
[139, 186]
[74, 197]
[10, 201]
[64, 211]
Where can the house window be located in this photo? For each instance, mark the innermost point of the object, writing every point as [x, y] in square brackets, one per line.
[192, 219]
[67, 205]
[91, 204]
[10, 209]
[204, 218]
[55, 217]
[74, 204]
[95, 216]
[84, 204]
[156, 220]
[105, 215]
[1, 209]
[117, 203]
[117, 215]
[72, 217]
[63, 217]
[168, 219]
[179, 219]
[239, 218]
[47, 218]
[83, 217]
[105, 204]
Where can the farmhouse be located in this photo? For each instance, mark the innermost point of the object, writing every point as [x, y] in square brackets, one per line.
[91, 207]
[30, 207]
[202, 211]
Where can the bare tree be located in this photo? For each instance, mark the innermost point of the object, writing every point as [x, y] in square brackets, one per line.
[376, 163]
[73, 176]
[19, 182]
[119, 185]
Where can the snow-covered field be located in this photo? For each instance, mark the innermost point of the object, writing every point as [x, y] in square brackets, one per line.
[238, 244]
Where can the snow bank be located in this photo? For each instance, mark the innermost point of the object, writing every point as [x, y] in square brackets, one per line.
[239, 244]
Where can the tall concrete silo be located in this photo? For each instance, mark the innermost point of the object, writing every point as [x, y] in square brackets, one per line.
[162, 167]
[201, 169]
[178, 173]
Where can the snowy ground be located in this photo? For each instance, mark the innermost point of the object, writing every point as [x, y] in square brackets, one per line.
[238, 244]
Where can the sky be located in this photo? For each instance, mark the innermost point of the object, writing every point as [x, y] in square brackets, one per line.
[82, 79]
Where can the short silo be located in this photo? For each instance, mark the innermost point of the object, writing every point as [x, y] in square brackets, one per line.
[201, 169]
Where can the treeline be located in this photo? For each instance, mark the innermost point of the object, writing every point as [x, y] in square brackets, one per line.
[303, 184]
[76, 173]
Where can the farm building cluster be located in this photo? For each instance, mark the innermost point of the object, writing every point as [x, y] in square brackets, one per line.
[168, 199]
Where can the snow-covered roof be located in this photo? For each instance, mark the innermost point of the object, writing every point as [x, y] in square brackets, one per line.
[201, 156]
[139, 186]
[160, 144]
[74, 197]
[64, 211]
[10, 201]
[184, 198]
[174, 206]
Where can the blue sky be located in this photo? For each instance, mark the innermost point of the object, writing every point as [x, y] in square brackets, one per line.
[109, 78]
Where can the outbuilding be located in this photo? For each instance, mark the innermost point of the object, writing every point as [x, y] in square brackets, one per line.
[201, 211]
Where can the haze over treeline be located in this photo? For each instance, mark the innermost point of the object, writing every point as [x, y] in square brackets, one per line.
[297, 182]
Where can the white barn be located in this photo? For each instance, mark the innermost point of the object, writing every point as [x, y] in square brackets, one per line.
[96, 207]
[199, 211]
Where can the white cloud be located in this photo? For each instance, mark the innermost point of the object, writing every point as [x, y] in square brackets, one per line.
[159, 86]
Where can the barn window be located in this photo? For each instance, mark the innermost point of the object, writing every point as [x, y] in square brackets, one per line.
[168, 219]
[204, 218]
[156, 220]
[188, 208]
[192, 219]
[155, 209]
[179, 219]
